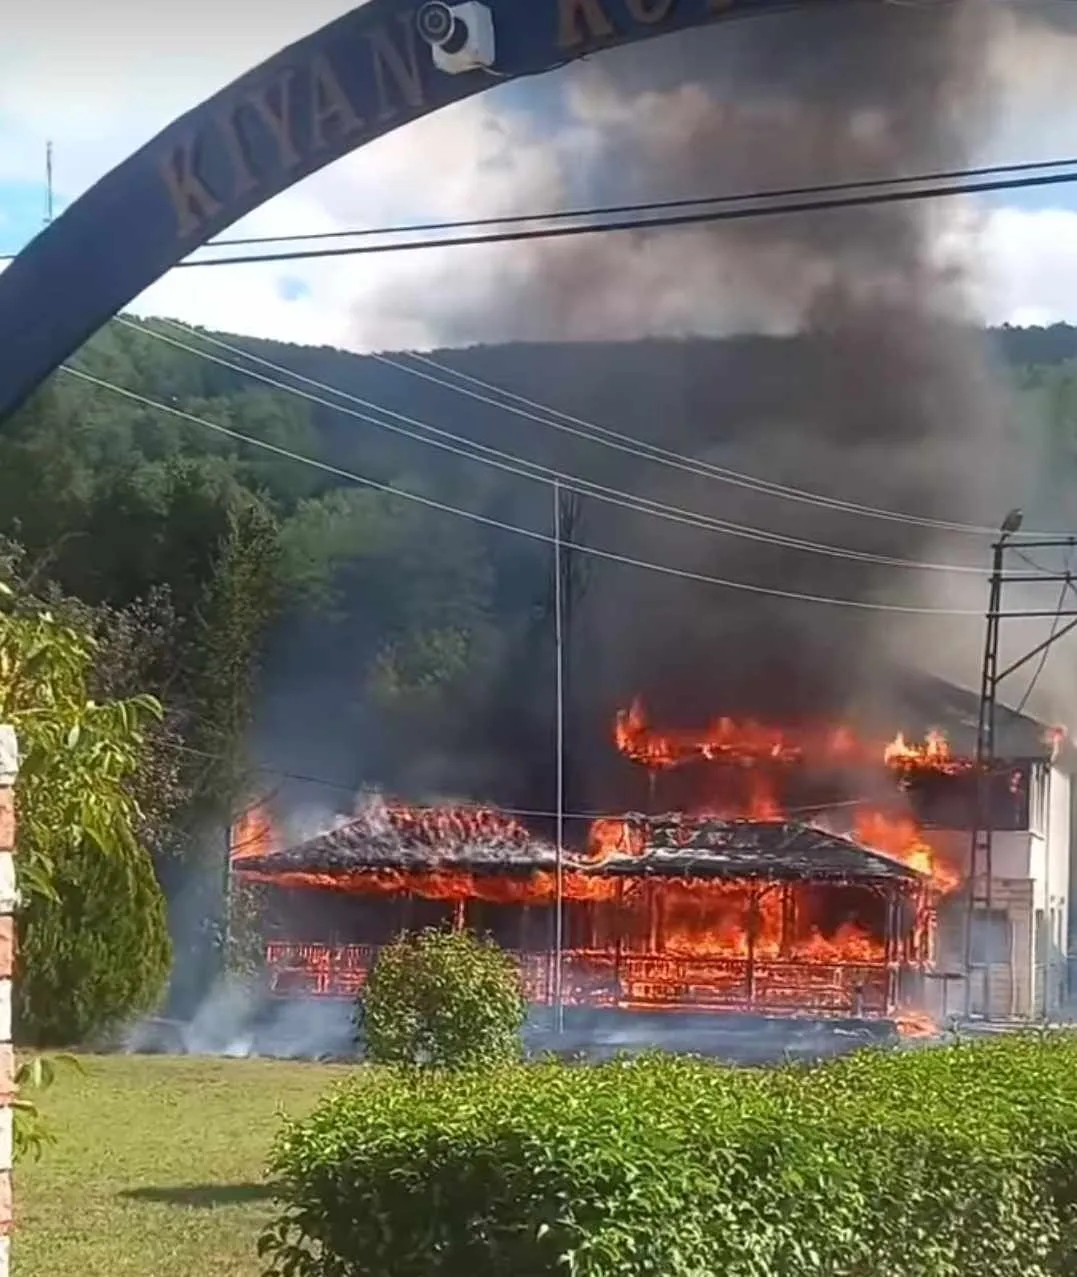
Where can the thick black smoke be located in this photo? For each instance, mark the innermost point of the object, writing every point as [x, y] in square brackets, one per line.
[884, 394]
[887, 397]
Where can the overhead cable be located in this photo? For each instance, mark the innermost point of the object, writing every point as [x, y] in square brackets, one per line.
[554, 215]
[665, 221]
[647, 206]
[634, 446]
[537, 813]
[523, 468]
[530, 534]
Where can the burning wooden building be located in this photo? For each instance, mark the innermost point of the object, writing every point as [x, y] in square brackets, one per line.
[768, 888]
[673, 911]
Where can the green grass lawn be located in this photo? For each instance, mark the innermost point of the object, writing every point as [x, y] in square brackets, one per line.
[159, 1166]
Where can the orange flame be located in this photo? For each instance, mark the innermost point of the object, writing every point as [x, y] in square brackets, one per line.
[931, 754]
[901, 838]
[725, 740]
[254, 834]
[609, 837]
[440, 825]
[916, 1024]
[760, 803]
[750, 744]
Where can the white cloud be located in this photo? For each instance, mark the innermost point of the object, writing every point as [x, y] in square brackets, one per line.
[103, 78]
[101, 83]
[1028, 266]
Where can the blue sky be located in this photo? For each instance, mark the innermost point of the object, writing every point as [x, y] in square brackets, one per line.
[480, 158]
[22, 212]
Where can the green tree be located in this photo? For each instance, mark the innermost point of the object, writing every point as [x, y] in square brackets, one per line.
[94, 953]
[93, 947]
[77, 755]
[222, 649]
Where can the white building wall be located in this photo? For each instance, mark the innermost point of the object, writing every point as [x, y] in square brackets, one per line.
[1057, 888]
[1030, 871]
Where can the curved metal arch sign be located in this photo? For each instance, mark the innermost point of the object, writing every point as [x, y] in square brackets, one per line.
[369, 72]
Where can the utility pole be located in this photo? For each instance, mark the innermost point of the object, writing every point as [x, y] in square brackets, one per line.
[981, 868]
[229, 887]
[48, 184]
[559, 653]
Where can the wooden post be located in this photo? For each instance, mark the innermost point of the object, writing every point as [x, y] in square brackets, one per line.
[9, 766]
[753, 933]
[788, 916]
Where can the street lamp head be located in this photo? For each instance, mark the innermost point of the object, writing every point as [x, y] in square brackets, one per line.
[1012, 522]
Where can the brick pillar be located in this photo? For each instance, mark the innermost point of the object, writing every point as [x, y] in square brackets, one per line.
[9, 765]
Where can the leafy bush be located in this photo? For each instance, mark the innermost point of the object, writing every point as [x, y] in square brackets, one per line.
[94, 953]
[958, 1162]
[442, 999]
[31, 1131]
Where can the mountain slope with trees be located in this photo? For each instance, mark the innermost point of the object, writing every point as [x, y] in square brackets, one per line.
[288, 618]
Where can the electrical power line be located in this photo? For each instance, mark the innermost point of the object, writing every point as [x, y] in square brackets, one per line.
[593, 433]
[534, 471]
[704, 217]
[609, 210]
[528, 533]
[612, 210]
[1067, 584]
[630, 444]
[522, 812]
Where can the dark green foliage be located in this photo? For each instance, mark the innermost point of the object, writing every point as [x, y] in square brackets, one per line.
[957, 1162]
[445, 1000]
[94, 957]
[135, 647]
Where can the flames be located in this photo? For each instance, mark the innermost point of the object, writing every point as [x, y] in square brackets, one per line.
[709, 941]
[254, 833]
[933, 753]
[455, 826]
[746, 743]
[761, 749]
[901, 838]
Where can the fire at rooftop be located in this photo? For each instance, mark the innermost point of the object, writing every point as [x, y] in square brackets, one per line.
[734, 903]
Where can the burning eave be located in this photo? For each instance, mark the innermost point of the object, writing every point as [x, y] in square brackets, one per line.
[678, 846]
[670, 846]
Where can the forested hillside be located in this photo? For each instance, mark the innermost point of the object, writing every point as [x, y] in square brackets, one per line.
[295, 621]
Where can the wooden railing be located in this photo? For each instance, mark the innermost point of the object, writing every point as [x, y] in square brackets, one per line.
[596, 978]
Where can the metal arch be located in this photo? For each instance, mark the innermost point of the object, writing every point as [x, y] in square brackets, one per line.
[354, 80]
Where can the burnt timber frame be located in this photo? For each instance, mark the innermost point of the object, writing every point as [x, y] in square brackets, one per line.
[636, 971]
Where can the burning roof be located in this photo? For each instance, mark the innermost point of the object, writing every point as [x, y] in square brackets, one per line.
[749, 744]
[954, 711]
[394, 837]
[481, 842]
[692, 847]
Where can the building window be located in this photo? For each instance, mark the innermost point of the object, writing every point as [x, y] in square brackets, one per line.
[990, 937]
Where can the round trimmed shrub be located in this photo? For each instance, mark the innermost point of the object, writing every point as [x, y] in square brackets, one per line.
[442, 999]
[95, 957]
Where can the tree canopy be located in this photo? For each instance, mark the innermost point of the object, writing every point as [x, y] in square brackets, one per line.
[93, 943]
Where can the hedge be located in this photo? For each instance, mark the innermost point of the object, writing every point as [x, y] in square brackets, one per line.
[954, 1162]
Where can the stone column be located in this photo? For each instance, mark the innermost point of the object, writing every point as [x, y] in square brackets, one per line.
[9, 765]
